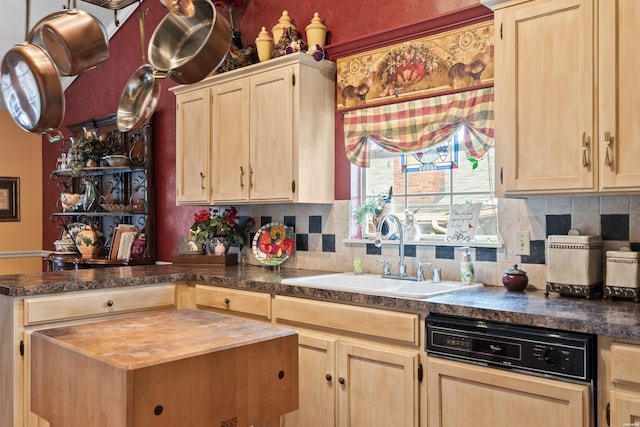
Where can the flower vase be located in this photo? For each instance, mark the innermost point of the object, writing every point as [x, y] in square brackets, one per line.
[88, 241]
[217, 246]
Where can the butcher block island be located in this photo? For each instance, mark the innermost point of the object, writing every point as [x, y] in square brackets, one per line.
[175, 368]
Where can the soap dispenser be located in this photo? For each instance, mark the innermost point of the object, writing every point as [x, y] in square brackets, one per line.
[466, 267]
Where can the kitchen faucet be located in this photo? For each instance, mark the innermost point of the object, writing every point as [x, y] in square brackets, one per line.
[402, 264]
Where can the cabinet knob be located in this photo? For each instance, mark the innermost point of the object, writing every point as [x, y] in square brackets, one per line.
[110, 303]
[328, 377]
[341, 380]
[227, 301]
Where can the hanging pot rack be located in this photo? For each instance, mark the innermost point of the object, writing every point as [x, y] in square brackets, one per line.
[112, 4]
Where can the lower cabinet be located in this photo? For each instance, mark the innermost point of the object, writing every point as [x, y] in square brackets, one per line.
[619, 382]
[352, 370]
[317, 382]
[461, 394]
[43, 312]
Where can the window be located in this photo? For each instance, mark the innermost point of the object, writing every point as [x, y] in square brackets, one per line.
[436, 154]
[428, 182]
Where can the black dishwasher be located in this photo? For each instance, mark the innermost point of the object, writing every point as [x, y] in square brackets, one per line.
[557, 355]
[536, 351]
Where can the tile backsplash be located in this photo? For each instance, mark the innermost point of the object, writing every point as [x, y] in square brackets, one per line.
[321, 231]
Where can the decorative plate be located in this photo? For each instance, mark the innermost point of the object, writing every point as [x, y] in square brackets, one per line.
[273, 244]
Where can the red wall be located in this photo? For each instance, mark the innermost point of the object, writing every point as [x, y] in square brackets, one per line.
[97, 92]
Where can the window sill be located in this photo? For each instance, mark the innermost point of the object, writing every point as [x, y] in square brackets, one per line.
[429, 242]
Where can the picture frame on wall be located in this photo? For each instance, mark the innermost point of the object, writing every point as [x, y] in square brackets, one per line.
[9, 199]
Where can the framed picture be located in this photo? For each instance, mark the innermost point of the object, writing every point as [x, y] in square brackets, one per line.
[9, 199]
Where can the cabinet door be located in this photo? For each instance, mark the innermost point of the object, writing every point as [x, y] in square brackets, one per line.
[625, 408]
[619, 128]
[271, 115]
[460, 394]
[193, 147]
[230, 142]
[544, 97]
[317, 382]
[377, 386]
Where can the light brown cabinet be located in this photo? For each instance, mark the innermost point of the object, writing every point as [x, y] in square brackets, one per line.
[261, 134]
[22, 316]
[193, 148]
[619, 382]
[564, 101]
[354, 369]
[460, 394]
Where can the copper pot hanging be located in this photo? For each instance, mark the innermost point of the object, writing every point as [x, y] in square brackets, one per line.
[140, 96]
[192, 48]
[75, 40]
[32, 90]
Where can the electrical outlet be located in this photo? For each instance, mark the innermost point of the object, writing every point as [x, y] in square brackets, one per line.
[523, 244]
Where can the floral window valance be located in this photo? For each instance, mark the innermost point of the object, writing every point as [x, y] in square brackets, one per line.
[416, 125]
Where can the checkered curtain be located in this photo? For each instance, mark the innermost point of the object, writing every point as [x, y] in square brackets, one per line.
[412, 126]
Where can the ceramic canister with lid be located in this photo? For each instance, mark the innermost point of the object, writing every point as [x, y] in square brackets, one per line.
[622, 275]
[574, 263]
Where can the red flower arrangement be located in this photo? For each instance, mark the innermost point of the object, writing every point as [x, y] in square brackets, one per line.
[209, 223]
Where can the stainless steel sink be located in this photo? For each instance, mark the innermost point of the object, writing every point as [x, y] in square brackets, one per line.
[376, 285]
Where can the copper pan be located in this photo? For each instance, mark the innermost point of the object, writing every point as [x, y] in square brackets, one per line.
[32, 90]
[75, 40]
[140, 96]
[192, 48]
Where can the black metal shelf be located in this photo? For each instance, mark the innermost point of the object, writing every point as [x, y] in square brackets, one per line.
[97, 171]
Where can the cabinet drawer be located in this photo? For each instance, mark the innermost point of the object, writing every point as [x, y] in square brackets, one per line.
[390, 325]
[94, 303]
[234, 300]
[624, 362]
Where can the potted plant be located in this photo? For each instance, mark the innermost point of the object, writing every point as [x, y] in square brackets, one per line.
[366, 212]
[86, 151]
[217, 231]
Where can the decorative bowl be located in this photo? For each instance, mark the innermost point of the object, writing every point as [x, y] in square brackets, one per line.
[66, 246]
[72, 202]
[116, 208]
[117, 160]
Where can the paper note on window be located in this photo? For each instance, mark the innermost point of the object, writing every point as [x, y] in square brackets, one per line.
[463, 222]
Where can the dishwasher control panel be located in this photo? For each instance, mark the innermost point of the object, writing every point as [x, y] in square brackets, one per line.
[537, 351]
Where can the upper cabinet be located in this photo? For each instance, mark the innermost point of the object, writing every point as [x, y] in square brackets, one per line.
[564, 111]
[618, 107]
[260, 134]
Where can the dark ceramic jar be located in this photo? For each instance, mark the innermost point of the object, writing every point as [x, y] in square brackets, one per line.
[515, 280]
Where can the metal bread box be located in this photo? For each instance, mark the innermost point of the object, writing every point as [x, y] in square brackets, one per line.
[575, 265]
[622, 278]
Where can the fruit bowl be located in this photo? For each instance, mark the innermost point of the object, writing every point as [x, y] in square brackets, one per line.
[117, 160]
[116, 208]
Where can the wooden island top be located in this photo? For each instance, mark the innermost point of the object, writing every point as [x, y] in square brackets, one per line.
[182, 367]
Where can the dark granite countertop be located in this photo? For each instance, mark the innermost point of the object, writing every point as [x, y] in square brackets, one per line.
[614, 318]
